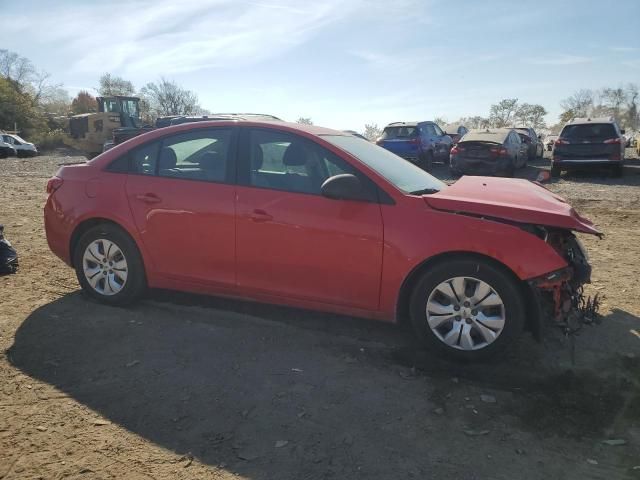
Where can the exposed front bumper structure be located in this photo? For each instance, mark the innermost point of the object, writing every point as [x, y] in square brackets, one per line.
[559, 295]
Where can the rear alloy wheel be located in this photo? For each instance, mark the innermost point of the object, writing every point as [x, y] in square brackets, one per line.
[467, 309]
[108, 265]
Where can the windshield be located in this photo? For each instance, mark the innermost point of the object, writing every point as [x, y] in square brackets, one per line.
[593, 132]
[397, 171]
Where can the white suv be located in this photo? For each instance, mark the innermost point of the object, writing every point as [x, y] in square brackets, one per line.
[22, 147]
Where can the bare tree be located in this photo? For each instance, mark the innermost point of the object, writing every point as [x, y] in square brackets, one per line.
[580, 104]
[440, 121]
[372, 131]
[113, 85]
[633, 117]
[475, 122]
[503, 113]
[304, 121]
[16, 67]
[168, 98]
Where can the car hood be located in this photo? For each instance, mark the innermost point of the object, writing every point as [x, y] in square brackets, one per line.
[520, 201]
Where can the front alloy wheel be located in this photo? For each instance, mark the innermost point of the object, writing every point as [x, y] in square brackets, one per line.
[465, 313]
[468, 308]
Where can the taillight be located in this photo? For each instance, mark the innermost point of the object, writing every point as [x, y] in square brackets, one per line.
[379, 141]
[561, 141]
[499, 151]
[54, 184]
[455, 150]
[612, 140]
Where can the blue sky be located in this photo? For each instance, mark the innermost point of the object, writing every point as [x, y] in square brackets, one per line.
[343, 63]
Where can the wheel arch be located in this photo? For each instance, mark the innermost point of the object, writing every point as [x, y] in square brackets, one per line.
[90, 223]
[532, 321]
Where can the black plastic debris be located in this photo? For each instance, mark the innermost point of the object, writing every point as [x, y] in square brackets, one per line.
[8, 255]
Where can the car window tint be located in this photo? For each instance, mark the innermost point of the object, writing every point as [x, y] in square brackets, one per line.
[428, 128]
[391, 133]
[592, 132]
[438, 130]
[282, 161]
[196, 155]
[143, 160]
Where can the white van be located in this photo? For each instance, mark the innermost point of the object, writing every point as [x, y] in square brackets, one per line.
[22, 147]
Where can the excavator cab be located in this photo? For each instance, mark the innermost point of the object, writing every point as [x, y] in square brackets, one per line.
[126, 107]
[89, 132]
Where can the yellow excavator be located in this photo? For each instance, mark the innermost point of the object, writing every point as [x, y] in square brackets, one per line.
[88, 132]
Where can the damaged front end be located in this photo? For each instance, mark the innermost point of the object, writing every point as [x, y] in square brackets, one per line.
[559, 295]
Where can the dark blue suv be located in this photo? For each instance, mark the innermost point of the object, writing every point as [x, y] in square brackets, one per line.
[421, 143]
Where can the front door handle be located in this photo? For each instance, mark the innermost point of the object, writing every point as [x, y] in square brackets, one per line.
[259, 215]
[148, 198]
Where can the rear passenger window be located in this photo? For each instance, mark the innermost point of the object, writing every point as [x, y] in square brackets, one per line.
[197, 155]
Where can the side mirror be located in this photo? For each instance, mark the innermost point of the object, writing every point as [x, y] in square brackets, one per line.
[539, 137]
[344, 187]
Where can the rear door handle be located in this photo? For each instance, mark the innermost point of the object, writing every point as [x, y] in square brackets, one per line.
[148, 198]
[259, 215]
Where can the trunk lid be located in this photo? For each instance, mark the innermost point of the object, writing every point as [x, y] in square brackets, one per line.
[515, 200]
[401, 146]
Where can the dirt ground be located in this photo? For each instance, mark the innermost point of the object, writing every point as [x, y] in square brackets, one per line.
[183, 386]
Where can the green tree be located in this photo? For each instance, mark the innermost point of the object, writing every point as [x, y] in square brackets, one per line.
[84, 103]
[166, 98]
[111, 85]
[502, 114]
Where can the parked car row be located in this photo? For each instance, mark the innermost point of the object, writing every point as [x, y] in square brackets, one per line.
[483, 151]
[12, 145]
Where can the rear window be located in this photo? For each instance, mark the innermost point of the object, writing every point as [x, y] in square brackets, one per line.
[592, 132]
[391, 133]
[494, 137]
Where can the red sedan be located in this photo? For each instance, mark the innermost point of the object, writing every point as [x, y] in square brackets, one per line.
[316, 218]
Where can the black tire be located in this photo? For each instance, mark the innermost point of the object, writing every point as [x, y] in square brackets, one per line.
[425, 161]
[502, 283]
[555, 171]
[134, 285]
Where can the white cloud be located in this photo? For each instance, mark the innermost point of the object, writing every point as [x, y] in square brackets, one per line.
[624, 49]
[559, 59]
[168, 37]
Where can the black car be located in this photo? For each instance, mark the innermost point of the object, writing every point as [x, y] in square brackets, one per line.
[589, 142]
[533, 141]
[456, 132]
[488, 152]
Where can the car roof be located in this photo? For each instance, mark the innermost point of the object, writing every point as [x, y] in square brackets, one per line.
[582, 121]
[403, 124]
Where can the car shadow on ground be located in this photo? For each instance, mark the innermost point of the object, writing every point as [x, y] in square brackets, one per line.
[237, 384]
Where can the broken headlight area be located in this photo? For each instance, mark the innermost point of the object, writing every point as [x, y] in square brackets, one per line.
[560, 294]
